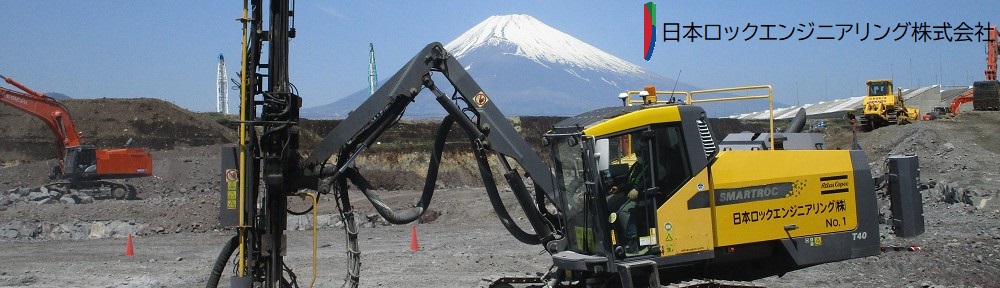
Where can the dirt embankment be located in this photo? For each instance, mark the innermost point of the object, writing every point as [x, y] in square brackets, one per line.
[109, 123]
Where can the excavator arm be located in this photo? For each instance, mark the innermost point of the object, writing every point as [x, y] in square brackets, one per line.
[487, 128]
[961, 99]
[992, 52]
[50, 111]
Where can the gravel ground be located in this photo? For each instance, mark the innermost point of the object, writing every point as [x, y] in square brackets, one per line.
[466, 249]
[177, 238]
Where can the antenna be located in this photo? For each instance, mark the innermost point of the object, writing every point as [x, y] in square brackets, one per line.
[372, 71]
[672, 90]
[222, 88]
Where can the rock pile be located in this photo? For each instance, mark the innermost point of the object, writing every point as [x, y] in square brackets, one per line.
[75, 230]
[951, 193]
[43, 195]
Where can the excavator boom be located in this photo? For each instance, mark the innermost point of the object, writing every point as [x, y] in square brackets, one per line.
[50, 111]
[992, 51]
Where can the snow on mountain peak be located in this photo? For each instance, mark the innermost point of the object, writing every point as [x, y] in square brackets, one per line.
[538, 42]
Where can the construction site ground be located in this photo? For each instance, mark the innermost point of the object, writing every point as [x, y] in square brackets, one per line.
[176, 235]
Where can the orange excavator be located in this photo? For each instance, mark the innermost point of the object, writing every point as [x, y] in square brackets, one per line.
[984, 95]
[82, 168]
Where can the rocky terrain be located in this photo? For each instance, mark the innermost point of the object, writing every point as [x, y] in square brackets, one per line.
[174, 221]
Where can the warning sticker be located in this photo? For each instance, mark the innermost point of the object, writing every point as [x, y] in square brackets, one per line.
[232, 175]
[480, 99]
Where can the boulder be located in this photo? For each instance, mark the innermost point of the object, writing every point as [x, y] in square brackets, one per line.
[948, 147]
[43, 201]
[85, 199]
[9, 234]
[36, 196]
[67, 200]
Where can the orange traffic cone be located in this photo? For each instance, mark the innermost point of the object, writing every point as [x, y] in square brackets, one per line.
[128, 246]
[413, 239]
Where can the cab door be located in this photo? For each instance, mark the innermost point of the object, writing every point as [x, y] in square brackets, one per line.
[629, 169]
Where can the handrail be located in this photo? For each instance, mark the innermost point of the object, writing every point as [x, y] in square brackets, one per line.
[770, 101]
[689, 99]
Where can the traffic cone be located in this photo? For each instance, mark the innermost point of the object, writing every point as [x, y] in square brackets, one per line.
[128, 246]
[413, 239]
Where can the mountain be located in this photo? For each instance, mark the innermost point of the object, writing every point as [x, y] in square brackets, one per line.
[529, 69]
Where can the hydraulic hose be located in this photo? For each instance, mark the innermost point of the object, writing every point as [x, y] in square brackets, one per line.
[353, 250]
[494, 195]
[383, 209]
[430, 182]
[220, 262]
[353, 275]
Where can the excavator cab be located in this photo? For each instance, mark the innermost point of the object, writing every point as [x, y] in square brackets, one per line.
[80, 162]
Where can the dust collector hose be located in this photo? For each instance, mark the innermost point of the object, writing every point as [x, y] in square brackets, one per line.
[220, 262]
[798, 122]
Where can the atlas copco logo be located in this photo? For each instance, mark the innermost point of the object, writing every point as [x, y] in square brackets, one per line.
[649, 29]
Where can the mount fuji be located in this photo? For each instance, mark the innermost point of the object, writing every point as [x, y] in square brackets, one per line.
[529, 69]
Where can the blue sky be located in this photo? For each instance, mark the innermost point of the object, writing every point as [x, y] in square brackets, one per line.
[168, 49]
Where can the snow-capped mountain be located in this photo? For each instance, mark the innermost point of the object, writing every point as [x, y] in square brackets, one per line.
[528, 68]
[524, 36]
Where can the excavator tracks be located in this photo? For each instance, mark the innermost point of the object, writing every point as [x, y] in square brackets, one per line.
[100, 189]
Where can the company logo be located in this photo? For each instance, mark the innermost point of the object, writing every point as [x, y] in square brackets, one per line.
[16, 99]
[649, 29]
[834, 184]
[750, 194]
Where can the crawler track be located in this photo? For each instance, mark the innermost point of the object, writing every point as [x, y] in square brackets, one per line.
[511, 282]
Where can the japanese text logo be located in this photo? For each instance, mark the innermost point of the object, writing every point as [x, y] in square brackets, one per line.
[649, 29]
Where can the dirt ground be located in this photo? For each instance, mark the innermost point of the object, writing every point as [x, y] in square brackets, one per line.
[177, 236]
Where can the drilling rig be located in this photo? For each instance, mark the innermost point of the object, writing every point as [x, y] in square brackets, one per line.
[701, 211]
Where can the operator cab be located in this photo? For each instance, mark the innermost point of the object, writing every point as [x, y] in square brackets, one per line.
[596, 173]
[879, 88]
[80, 162]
